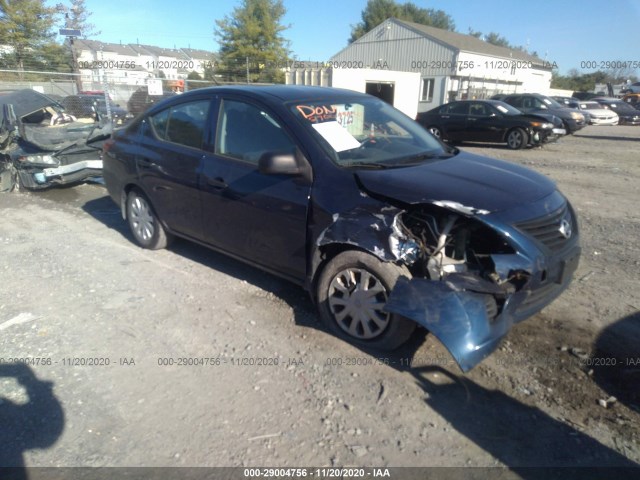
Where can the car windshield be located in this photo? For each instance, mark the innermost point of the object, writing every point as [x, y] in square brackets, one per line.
[507, 109]
[368, 133]
[590, 106]
[550, 102]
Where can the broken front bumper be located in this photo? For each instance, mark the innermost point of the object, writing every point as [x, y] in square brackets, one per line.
[63, 174]
[470, 315]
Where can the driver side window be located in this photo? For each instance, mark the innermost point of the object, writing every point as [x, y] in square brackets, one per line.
[246, 132]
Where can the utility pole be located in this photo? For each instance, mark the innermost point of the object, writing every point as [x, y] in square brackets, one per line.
[71, 35]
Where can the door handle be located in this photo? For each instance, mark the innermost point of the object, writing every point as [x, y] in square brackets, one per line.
[217, 182]
[146, 163]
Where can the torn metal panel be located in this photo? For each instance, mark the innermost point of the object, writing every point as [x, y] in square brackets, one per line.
[457, 316]
[373, 229]
[460, 208]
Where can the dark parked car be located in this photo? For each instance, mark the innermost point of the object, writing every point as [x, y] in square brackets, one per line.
[42, 146]
[573, 102]
[488, 121]
[584, 95]
[570, 102]
[87, 105]
[384, 225]
[535, 103]
[140, 100]
[627, 114]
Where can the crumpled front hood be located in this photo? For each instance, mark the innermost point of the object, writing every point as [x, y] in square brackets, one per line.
[482, 183]
[26, 102]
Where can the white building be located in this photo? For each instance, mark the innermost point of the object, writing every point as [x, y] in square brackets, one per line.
[451, 65]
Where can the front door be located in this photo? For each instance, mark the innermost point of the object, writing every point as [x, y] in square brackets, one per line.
[258, 217]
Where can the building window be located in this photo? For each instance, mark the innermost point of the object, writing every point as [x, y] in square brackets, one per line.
[426, 95]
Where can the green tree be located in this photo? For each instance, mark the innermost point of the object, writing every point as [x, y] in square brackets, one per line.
[25, 25]
[77, 17]
[579, 82]
[377, 11]
[52, 57]
[251, 39]
[193, 75]
[494, 39]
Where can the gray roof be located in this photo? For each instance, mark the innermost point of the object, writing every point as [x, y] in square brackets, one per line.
[84, 44]
[134, 49]
[161, 52]
[198, 54]
[467, 43]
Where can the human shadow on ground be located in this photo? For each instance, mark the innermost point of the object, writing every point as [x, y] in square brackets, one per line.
[23, 426]
[615, 360]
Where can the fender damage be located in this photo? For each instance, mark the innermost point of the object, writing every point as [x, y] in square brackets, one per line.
[471, 277]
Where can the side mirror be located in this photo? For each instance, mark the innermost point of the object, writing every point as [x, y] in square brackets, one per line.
[277, 163]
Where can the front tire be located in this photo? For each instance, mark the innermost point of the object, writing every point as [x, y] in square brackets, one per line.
[145, 226]
[352, 290]
[517, 139]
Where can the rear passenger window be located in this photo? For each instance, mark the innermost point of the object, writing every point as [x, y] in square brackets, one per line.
[183, 124]
[461, 108]
[245, 132]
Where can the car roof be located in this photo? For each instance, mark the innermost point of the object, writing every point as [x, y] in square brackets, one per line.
[282, 93]
[526, 95]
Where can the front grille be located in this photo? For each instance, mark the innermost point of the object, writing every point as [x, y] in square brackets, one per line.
[548, 229]
[540, 295]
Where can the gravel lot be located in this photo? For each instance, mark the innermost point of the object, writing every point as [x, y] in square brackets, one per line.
[105, 325]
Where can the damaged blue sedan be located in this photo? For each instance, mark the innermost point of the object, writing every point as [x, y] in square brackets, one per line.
[387, 227]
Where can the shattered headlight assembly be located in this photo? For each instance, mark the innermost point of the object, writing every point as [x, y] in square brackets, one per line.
[46, 160]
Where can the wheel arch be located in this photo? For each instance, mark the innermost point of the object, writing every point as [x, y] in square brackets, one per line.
[327, 252]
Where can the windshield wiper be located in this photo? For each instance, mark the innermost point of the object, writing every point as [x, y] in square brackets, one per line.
[372, 166]
[415, 159]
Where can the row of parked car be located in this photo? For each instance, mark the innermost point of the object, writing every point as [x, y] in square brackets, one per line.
[521, 120]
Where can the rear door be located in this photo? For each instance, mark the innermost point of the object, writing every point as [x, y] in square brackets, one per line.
[170, 161]
[260, 218]
[454, 120]
[483, 124]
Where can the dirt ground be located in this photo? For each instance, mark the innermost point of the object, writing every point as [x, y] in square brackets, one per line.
[184, 357]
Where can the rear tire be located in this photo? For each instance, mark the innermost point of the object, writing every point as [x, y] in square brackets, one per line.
[352, 290]
[145, 226]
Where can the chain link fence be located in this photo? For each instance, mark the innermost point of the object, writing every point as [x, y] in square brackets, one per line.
[125, 89]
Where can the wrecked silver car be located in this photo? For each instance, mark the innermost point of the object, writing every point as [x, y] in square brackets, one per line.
[42, 146]
[387, 227]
